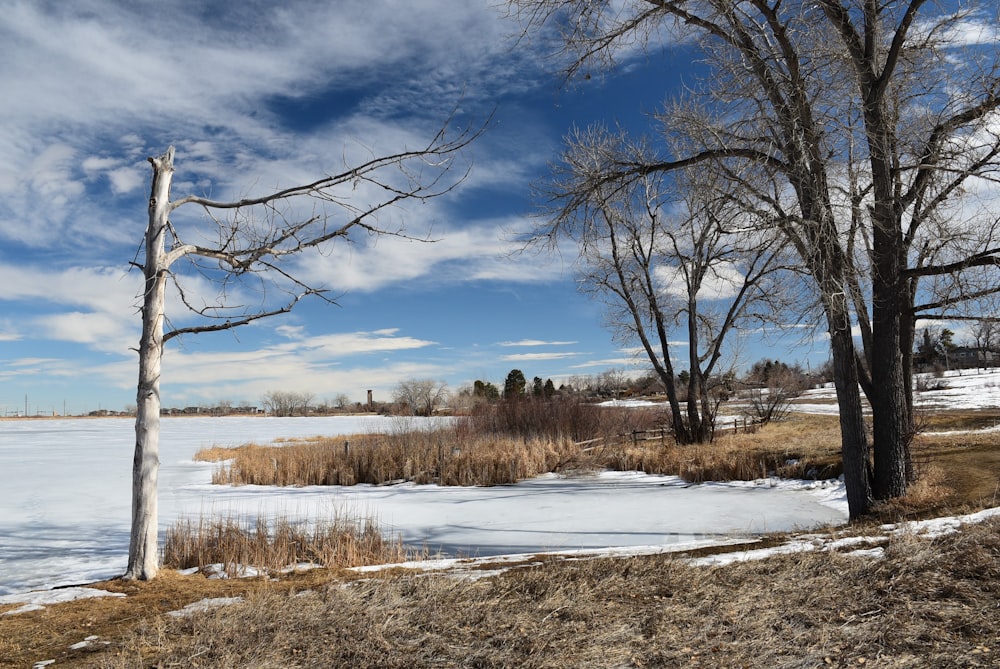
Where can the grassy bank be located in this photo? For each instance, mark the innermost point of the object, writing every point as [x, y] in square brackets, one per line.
[923, 603]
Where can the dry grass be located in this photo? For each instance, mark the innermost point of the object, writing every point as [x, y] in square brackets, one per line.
[927, 603]
[41, 635]
[499, 449]
[422, 457]
[502, 444]
[271, 545]
[806, 447]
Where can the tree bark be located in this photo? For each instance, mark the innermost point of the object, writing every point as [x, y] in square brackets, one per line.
[889, 403]
[143, 556]
[907, 336]
[854, 441]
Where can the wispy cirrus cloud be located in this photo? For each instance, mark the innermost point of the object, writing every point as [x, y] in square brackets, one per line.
[284, 99]
[536, 342]
[524, 357]
[256, 97]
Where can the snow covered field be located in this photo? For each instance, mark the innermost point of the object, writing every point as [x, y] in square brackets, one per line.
[966, 390]
[65, 492]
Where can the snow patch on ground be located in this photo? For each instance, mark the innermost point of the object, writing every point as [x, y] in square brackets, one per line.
[204, 605]
[37, 600]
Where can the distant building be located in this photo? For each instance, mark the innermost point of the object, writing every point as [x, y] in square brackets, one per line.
[965, 356]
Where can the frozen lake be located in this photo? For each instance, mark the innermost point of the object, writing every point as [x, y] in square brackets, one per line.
[65, 489]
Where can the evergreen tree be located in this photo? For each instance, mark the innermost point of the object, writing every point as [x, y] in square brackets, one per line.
[514, 385]
[486, 390]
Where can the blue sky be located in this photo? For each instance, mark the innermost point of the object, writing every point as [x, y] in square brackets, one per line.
[256, 96]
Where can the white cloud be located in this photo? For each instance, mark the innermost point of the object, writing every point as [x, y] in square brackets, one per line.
[82, 76]
[610, 363]
[86, 328]
[355, 343]
[721, 282]
[474, 252]
[126, 179]
[248, 375]
[977, 29]
[302, 357]
[85, 304]
[537, 342]
[521, 357]
[94, 164]
[91, 91]
[290, 331]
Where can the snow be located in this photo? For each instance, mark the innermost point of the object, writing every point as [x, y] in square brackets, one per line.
[66, 486]
[36, 600]
[204, 605]
[64, 513]
[939, 527]
[965, 390]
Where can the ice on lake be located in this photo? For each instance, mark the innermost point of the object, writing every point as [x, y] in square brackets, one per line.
[65, 487]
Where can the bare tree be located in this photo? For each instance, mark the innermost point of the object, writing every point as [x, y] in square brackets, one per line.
[857, 126]
[613, 382]
[287, 403]
[421, 396]
[256, 239]
[770, 389]
[986, 335]
[663, 252]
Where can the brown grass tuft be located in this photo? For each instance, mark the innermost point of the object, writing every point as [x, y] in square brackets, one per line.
[805, 447]
[502, 444]
[422, 457]
[276, 544]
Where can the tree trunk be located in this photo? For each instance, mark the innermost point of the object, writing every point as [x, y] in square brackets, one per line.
[888, 398]
[143, 555]
[854, 441]
[695, 380]
[907, 334]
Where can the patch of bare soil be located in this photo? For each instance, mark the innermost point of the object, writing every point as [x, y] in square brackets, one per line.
[969, 462]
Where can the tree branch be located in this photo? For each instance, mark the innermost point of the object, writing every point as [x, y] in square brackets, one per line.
[230, 324]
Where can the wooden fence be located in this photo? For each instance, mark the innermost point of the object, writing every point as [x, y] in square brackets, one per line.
[739, 424]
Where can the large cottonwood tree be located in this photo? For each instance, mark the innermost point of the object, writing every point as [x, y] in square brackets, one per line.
[256, 239]
[863, 128]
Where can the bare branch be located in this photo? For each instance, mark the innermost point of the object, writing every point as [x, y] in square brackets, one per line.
[231, 324]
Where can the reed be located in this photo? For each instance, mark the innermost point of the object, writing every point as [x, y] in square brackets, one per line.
[501, 444]
[514, 441]
[274, 544]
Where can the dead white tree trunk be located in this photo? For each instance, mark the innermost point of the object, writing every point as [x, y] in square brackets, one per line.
[143, 561]
[254, 245]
